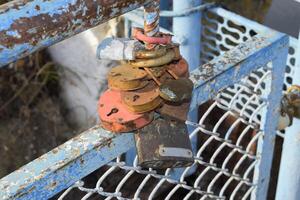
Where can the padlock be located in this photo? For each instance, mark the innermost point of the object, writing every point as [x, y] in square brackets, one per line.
[293, 96]
[180, 68]
[174, 111]
[142, 100]
[125, 77]
[176, 90]
[172, 54]
[115, 117]
[164, 144]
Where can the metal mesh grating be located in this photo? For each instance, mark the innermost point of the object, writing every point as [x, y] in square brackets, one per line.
[220, 34]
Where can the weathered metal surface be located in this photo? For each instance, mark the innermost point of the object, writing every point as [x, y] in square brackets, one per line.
[176, 90]
[164, 144]
[143, 100]
[235, 64]
[189, 28]
[155, 62]
[27, 26]
[175, 111]
[270, 119]
[146, 54]
[162, 38]
[125, 78]
[293, 96]
[64, 165]
[115, 116]
[151, 21]
[180, 68]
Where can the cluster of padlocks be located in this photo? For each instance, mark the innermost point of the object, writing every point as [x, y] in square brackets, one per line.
[149, 93]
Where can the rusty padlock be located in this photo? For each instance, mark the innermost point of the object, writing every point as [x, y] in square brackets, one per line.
[164, 144]
[177, 90]
[115, 117]
[125, 77]
[142, 100]
[172, 53]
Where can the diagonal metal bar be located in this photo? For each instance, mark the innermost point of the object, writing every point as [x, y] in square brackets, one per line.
[64, 165]
[234, 65]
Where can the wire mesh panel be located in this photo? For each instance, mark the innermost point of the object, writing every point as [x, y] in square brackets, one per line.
[222, 30]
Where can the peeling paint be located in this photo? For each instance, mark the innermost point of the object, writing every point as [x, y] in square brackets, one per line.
[27, 26]
[63, 166]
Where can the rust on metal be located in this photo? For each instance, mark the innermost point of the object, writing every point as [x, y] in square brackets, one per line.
[115, 117]
[176, 90]
[151, 21]
[174, 111]
[293, 101]
[161, 38]
[157, 71]
[125, 78]
[28, 26]
[180, 68]
[142, 100]
[155, 62]
[154, 53]
[164, 144]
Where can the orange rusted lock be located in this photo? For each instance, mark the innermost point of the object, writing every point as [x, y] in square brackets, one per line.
[142, 100]
[180, 68]
[177, 111]
[125, 77]
[115, 117]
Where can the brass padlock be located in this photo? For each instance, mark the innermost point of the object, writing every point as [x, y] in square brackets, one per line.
[164, 144]
[125, 78]
[142, 100]
[115, 117]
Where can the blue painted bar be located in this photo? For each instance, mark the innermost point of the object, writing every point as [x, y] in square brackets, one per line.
[233, 65]
[188, 27]
[28, 26]
[271, 122]
[288, 186]
[64, 165]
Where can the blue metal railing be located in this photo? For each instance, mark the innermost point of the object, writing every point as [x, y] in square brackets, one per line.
[70, 162]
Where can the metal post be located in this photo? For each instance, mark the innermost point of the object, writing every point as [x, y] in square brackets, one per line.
[289, 174]
[188, 27]
[270, 122]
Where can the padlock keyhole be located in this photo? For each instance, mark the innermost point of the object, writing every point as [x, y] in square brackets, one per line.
[113, 111]
[135, 97]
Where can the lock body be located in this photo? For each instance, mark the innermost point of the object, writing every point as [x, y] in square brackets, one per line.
[164, 144]
[115, 116]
